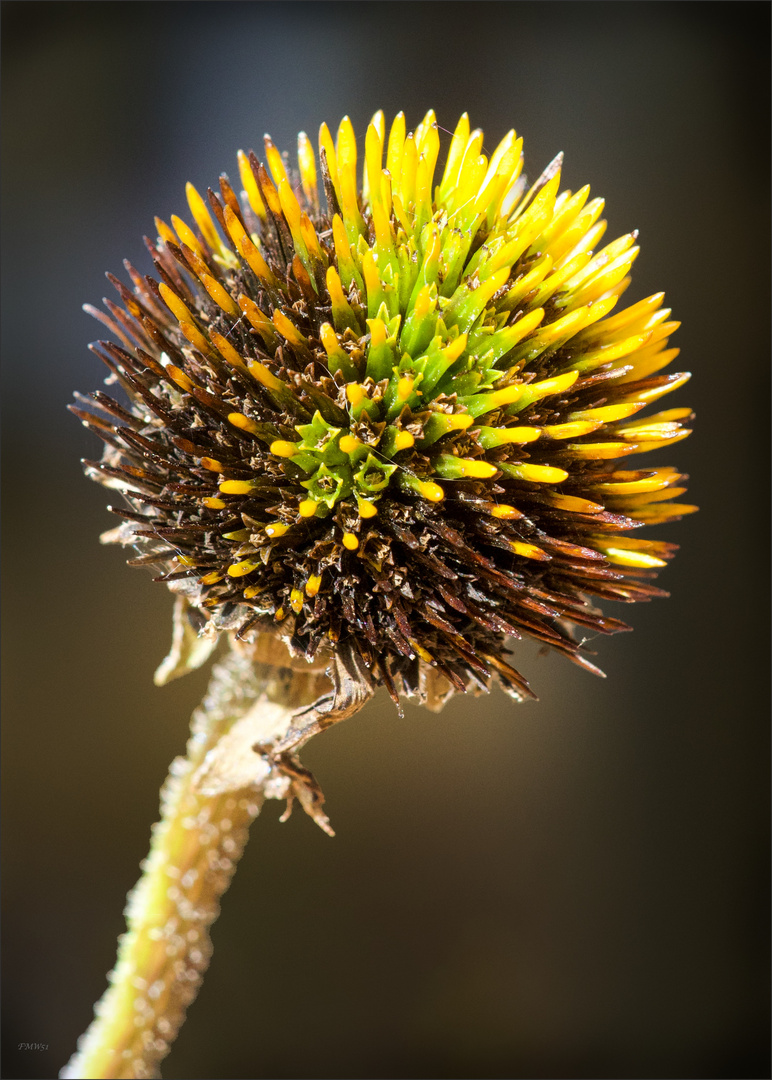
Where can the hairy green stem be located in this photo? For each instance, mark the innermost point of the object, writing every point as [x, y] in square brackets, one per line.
[208, 801]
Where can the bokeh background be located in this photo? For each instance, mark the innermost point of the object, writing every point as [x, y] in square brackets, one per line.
[573, 888]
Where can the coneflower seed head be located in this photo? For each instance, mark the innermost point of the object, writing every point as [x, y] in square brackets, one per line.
[393, 418]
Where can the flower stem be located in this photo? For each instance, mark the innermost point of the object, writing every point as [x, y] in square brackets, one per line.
[208, 801]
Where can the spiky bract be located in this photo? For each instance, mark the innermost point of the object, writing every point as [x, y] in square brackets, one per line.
[393, 419]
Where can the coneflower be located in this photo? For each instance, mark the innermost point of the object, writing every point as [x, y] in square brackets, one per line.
[379, 433]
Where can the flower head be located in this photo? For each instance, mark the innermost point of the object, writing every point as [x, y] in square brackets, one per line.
[395, 418]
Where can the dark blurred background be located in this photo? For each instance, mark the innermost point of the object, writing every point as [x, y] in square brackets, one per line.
[572, 888]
